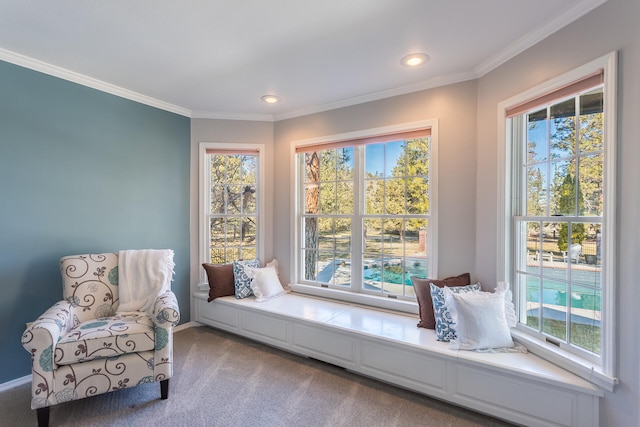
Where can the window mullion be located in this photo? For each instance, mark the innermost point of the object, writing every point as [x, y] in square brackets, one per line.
[576, 124]
[357, 253]
[207, 214]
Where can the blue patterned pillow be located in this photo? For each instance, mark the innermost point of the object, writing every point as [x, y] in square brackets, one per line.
[241, 280]
[444, 329]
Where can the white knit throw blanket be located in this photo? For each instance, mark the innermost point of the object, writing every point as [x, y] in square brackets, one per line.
[142, 276]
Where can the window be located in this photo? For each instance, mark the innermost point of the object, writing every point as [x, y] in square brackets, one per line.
[559, 201]
[365, 211]
[230, 202]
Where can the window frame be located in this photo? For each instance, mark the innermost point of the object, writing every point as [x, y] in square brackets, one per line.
[297, 190]
[602, 373]
[204, 195]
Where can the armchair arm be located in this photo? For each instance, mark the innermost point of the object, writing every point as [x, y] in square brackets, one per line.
[47, 329]
[166, 313]
[40, 339]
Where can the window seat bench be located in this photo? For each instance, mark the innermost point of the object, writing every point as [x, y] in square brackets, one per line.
[518, 387]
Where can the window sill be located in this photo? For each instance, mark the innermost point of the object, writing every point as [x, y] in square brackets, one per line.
[572, 363]
[355, 298]
[391, 304]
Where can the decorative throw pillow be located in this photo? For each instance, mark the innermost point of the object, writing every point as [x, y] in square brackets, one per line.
[242, 282]
[480, 319]
[423, 295]
[444, 327]
[265, 283]
[221, 281]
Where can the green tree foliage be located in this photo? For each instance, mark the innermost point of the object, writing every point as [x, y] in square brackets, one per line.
[328, 191]
[567, 204]
[233, 192]
[312, 206]
[233, 181]
[416, 168]
[575, 142]
[536, 192]
[591, 165]
[581, 140]
[329, 178]
[565, 188]
[536, 183]
[335, 180]
[406, 192]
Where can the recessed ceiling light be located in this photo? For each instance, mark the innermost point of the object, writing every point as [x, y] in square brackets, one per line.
[414, 59]
[271, 99]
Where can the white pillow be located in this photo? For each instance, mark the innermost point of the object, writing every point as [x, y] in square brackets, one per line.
[264, 281]
[481, 319]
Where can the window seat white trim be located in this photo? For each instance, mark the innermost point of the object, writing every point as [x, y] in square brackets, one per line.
[519, 387]
[375, 302]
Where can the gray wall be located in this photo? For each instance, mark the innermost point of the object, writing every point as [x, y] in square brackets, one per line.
[230, 132]
[81, 171]
[468, 121]
[612, 26]
[455, 108]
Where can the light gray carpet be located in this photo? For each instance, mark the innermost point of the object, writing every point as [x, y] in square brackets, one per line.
[224, 380]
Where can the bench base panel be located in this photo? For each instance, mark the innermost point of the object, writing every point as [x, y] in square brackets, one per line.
[416, 362]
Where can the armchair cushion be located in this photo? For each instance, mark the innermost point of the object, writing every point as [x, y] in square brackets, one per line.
[106, 337]
[98, 376]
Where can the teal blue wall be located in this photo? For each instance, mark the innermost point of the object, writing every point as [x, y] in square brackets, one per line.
[81, 171]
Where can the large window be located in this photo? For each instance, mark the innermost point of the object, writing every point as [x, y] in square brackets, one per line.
[365, 212]
[230, 202]
[560, 215]
[559, 221]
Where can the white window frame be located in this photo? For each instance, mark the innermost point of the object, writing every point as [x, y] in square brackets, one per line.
[603, 373]
[409, 306]
[204, 196]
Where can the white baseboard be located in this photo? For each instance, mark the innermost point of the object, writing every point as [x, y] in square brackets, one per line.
[14, 383]
[186, 326]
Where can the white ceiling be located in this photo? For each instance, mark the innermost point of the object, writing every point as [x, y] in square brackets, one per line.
[216, 58]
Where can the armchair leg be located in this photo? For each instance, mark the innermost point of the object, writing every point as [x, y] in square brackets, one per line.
[164, 389]
[43, 416]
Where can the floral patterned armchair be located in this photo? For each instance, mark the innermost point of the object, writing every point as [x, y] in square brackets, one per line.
[82, 347]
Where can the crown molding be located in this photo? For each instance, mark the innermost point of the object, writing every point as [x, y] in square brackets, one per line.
[232, 116]
[72, 76]
[491, 63]
[81, 79]
[536, 36]
[427, 84]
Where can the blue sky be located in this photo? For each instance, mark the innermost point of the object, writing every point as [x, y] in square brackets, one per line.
[374, 159]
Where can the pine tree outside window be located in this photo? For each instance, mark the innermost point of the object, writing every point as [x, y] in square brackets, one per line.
[365, 211]
[559, 224]
[230, 202]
